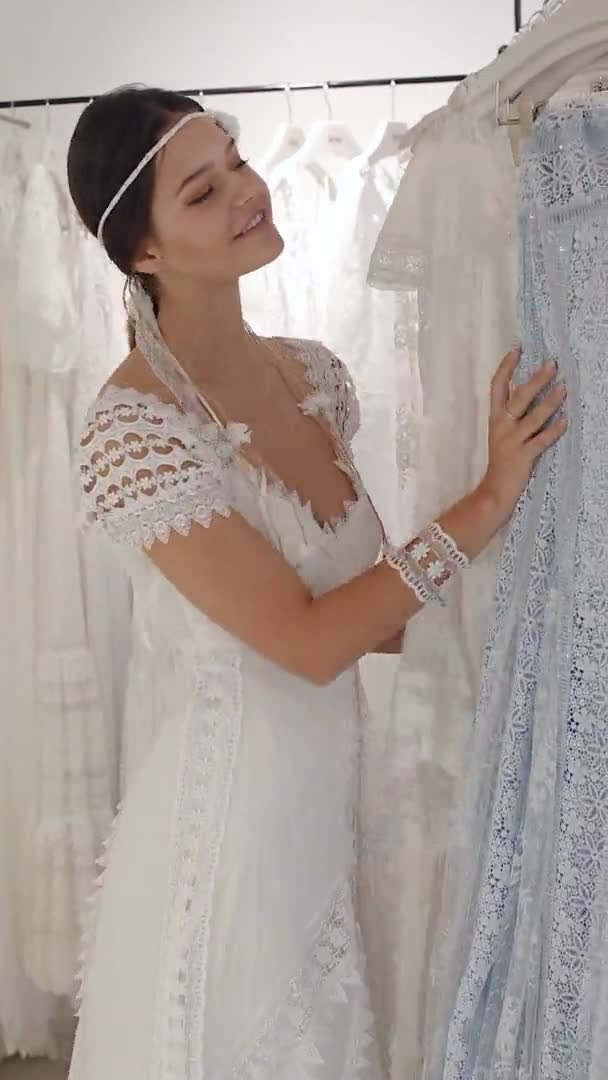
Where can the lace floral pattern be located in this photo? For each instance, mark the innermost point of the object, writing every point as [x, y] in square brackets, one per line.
[329, 958]
[526, 959]
[334, 394]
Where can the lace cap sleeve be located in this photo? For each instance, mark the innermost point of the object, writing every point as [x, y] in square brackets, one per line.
[334, 390]
[146, 470]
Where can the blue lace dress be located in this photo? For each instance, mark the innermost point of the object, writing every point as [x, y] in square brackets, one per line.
[524, 982]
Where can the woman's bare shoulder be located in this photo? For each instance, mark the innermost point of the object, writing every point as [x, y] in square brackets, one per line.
[134, 373]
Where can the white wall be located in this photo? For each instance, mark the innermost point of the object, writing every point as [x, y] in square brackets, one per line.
[65, 47]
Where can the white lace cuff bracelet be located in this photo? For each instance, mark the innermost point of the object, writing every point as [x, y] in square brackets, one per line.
[427, 563]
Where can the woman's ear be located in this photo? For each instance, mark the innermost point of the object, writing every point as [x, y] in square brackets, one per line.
[148, 261]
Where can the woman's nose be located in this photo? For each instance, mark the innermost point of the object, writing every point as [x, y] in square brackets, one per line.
[243, 195]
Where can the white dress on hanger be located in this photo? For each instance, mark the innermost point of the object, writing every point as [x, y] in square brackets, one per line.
[358, 322]
[26, 1012]
[71, 803]
[107, 593]
[229, 880]
[285, 299]
[449, 247]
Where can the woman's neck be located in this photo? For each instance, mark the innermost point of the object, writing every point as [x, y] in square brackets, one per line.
[205, 330]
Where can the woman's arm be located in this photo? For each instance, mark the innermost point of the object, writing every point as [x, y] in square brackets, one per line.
[242, 583]
[394, 647]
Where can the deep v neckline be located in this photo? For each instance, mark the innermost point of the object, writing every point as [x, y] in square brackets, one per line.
[269, 480]
[316, 403]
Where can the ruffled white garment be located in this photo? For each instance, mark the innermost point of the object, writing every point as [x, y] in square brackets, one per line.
[449, 247]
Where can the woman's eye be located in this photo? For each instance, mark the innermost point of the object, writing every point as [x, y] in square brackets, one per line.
[201, 198]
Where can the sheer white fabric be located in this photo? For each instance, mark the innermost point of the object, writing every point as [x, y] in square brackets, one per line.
[358, 322]
[72, 805]
[58, 746]
[26, 1012]
[107, 593]
[448, 246]
[244, 952]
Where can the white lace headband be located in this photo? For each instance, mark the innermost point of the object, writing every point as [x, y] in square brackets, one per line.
[147, 158]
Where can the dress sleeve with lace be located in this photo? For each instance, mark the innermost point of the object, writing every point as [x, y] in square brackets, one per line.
[147, 470]
[333, 392]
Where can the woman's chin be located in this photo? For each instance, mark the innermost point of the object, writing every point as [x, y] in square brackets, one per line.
[266, 249]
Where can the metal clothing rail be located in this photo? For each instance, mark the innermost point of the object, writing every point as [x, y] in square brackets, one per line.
[273, 88]
[263, 88]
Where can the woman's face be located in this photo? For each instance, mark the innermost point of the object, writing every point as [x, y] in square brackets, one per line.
[211, 214]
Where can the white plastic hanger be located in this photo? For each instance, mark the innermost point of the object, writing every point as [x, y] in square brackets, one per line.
[328, 139]
[539, 62]
[558, 43]
[288, 139]
[12, 118]
[389, 140]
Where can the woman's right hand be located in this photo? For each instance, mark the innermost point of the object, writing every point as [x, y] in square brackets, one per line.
[520, 431]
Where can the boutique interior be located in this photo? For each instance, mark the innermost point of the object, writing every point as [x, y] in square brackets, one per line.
[393, 139]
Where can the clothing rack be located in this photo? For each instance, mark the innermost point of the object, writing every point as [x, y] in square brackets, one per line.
[262, 88]
[274, 88]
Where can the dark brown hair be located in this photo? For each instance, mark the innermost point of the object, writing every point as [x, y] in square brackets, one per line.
[111, 137]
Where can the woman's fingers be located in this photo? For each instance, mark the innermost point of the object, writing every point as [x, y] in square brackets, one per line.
[523, 396]
[499, 394]
[547, 438]
[539, 416]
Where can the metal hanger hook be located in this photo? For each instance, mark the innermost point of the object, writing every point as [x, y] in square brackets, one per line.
[328, 104]
[289, 102]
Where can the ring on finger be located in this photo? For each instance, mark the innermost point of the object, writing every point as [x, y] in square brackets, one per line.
[510, 414]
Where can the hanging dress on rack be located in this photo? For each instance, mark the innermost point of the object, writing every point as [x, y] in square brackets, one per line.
[448, 249]
[523, 982]
[71, 806]
[102, 345]
[27, 1013]
[229, 873]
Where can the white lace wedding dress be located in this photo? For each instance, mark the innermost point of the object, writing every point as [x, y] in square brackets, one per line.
[224, 940]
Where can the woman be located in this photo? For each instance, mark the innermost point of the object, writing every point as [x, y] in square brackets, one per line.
[225, 941]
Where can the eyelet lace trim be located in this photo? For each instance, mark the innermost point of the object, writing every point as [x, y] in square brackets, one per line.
[144, 476]
[202, 806]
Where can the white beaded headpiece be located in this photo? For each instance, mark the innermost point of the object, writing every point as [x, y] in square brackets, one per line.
[147, 158]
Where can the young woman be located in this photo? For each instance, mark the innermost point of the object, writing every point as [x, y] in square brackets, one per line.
[225, 940]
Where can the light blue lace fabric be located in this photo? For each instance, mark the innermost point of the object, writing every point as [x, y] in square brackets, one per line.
[524, 982]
